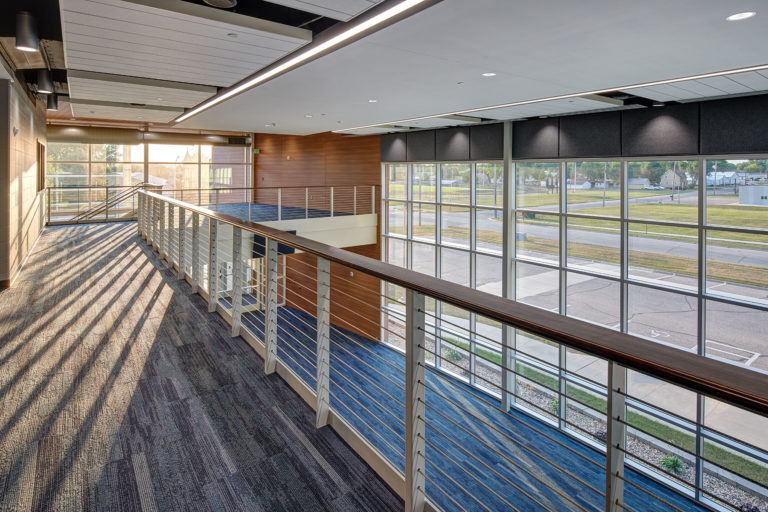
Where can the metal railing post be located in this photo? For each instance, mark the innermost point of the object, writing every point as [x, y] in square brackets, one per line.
[373, 198]
[323, 341]
[139, 217]
[615, 438]
[155, 216]
[182, 238]
[414, 402]
[196, 274]
[213, 281]
[217, 199]
[169, 237]
[331, 201]
[237, 280]
[306, 202]
[279, 204]
[354, 200]
[49, 205]
[270, 327]
[106, 205]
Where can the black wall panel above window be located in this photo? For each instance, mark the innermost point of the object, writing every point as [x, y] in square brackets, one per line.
[537, 138]
[590, 135]
[393, 147]
[420, 146]
[486, 142]
[452, 144]
[738, 125]
[671, 130]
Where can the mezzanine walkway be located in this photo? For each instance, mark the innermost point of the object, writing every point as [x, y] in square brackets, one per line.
[118, 391]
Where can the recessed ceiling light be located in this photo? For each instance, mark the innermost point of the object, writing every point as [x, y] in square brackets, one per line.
[308, 116]
[159, 99]
[459, 83]
[740, 16]
[489, 74]
[232, 34]
[658, 103]
[372, 101]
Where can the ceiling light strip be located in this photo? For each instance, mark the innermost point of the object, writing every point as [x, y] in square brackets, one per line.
[306, 55]
[564, 96]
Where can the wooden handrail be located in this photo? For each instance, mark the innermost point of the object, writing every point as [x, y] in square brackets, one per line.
[724, 381]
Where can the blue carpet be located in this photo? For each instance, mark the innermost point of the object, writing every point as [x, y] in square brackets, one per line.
[267, 212]
[367, 389]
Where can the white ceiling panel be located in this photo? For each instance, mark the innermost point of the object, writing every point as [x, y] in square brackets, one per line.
[103, 87]
[87, 109]
[416, 67]
[343, 10]
[436, 122]
[376, 130]
[735, 83]
[171, 40]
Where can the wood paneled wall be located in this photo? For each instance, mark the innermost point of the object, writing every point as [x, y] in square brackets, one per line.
[354, 295]
[323, 159]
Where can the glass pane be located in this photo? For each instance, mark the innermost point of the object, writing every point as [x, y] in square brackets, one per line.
[117, 174]
[538, 286]
[117, 153]
[538, 186]
[66, 175]
[169, 153]
[454, 266]
[728, 466]
[455, 183]
[396, 252]
[594, 299]
[594, 245]
[454, 225]
[594, 188]
[424, 182]
[737, 193]
[396, 180]
[664, 255]
[664, 317]
[489, 225]
[737, 265]
[737, 334]
[206, 153]
[228, 154]
[67, 152]
[664, 190]
[736, 422]
[423, 221]
[661, 395]
[423, 258]
[538, 236]
[587, 366]
[173, 176]
[489, 184]
[586, 411]
[396, 218]
[488, 274]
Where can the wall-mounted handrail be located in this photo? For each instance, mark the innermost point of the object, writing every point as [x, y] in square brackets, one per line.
[745, 388]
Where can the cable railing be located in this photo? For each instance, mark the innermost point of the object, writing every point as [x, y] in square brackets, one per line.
[92, 203]
[263, 204]
[498, 406]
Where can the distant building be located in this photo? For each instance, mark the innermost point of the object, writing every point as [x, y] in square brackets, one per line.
[717, 179]
[673, 179]
[638, 183]
[754, 195]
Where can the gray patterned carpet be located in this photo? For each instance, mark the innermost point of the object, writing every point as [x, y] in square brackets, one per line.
[118, 391]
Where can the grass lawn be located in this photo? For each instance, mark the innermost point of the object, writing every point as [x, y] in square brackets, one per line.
[673, 436]
[537, 199]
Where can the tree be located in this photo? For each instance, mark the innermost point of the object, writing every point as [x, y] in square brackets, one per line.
[655, 170]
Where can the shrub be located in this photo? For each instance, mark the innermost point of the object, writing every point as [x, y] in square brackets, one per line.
[555, 405]
[673, 464]
[453, 355]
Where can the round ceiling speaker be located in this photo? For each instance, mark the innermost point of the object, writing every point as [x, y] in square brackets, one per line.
[221, 4]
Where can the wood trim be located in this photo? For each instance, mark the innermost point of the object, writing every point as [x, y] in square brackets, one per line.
[717, 379]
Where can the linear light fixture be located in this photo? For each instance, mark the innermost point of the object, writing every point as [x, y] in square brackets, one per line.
[565, 96]
[304, 56]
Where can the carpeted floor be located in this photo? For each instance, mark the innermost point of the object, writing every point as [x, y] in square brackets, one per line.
[367, 381]
[119, 392]
[266, 212]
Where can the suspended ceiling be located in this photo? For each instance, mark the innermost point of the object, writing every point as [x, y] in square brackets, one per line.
[432, 63]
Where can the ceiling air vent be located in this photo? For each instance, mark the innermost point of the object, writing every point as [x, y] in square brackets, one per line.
[239, 141]
[221, 4]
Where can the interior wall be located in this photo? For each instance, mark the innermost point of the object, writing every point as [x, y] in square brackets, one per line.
[22, 207]
[323, 160]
